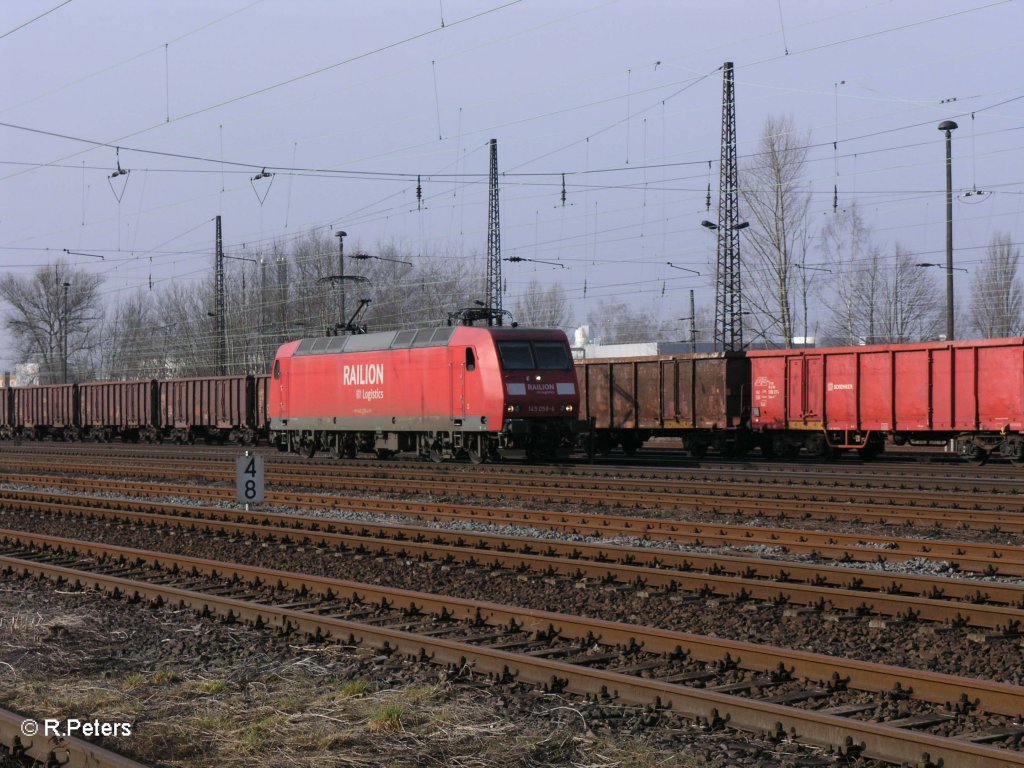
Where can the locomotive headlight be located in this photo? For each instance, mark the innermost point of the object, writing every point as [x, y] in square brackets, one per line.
[568, 409]
[537, 378]
[512, 409]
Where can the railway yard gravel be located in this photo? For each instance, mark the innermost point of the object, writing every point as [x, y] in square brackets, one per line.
[205, 693]
[209, 693]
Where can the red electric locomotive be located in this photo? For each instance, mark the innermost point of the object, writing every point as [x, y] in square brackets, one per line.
[439, 392]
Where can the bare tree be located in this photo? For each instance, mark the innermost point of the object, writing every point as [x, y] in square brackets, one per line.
[851, 254]
[910, 302]
[543, 307]
[996, 297]
[53, 316]
[421, 293]
[130, 350]
[774, 194]
[274, 297]
[187, 333]
[618, 323]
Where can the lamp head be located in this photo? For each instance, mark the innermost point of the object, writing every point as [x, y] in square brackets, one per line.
[948, 125]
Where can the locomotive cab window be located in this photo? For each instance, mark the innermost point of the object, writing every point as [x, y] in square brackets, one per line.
[516, 355]
[277, 369]
[470, 359]
[551, 356]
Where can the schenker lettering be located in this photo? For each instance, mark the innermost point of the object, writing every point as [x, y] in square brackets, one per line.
[362, 374]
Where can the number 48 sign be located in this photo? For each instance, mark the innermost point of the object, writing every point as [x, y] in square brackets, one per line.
[249, 478]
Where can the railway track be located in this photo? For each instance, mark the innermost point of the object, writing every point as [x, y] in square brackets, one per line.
[987, 559]
[932, 717]
[816, 477]
[996, 513]
[989, 605]
[637, 558]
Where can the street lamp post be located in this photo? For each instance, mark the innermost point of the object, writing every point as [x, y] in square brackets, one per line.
[949, 126]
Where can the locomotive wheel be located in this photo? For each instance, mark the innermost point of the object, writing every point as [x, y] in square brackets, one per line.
[309, 446]
[436, 456]
[478, 454]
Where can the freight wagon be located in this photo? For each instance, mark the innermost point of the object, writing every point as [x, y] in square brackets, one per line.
[49, 410]
[213, 408]
[439, 392]
[6, 408]
[703, 398]
[969, 394]
[125, 409]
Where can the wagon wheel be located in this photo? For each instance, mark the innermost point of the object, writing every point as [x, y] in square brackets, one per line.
[819, 448]
[603, 443]
[698, 449]
[783, 449]
[869, 452]
[630, 443]
[978, 456]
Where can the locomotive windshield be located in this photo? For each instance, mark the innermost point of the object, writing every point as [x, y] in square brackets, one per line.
[516, 355]
[534, 356]
[551, 356]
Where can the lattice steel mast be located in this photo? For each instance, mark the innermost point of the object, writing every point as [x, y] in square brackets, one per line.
[493, 243]
[222, 327]
[728, 288]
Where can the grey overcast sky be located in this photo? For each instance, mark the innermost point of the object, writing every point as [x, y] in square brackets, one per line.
[347, 102]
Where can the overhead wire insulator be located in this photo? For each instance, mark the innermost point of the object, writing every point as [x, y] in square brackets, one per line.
[419, 194]
[262, 175]
[835, 187]
[563, 190]
[119, 172]
[707, 200]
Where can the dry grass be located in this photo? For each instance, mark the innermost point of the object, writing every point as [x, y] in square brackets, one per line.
[303, 706]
